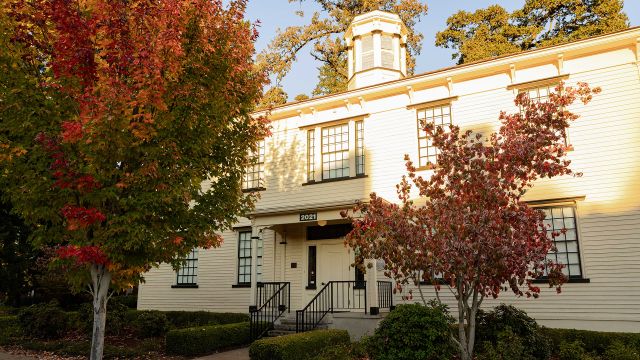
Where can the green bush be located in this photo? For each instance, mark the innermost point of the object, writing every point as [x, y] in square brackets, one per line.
[573, 351]
[9, 329]
[187, 319]
[207, 339]
[508, 346]
[413, 332]
[43, 321]
[130, 301]
[150, 324]
[619, 351]
[300, 346]
[596, 342]
[116, 318]
[507, 318]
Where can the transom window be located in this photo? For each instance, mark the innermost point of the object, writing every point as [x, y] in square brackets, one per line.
[440, 116]
[244, 258]
[254, 173]
[188, 273]
[556, 219]
[335, 151]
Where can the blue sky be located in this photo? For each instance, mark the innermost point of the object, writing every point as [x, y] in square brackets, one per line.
[274, 14]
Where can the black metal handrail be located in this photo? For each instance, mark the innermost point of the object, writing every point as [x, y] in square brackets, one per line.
[274, 298]
[335, 296]
[385, 295]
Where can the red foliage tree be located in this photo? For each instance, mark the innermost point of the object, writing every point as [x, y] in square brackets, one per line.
[471, 230]
[125, 130]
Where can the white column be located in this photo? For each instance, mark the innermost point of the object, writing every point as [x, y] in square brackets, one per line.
[396, 52]
[350, 61]
[254, 265]
[403, 59]
[377, 49]
[357, 54]
[372, 284]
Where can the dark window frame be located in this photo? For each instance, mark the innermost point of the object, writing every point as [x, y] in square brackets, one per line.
[187, 275]
[563, 241]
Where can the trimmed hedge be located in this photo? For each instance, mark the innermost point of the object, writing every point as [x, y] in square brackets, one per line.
[593, 341]
[9, 329]
[207, 339]
[188, 319]
[300, 346]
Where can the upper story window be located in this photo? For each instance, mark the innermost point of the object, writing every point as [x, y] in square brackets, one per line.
[335, 151]
[188, 273]
[556, 219]
[440, 116]
[541, 94]
[254, 173]
[387, 50]
[359, 148]
[311, 154]
[367, 52]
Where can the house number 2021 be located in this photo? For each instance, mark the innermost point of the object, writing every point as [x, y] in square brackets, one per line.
[309, 217]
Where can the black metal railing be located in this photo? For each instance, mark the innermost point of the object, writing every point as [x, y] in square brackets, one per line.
[385, 295]
[273, 299]
[335, 296]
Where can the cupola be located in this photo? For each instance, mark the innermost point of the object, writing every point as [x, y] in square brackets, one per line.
[377, 50]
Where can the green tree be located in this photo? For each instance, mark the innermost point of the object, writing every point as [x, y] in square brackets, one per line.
[125, 131]
[324, 33]
[494, 31]
[273, 97]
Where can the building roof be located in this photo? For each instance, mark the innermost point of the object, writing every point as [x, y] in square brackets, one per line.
[588, 42]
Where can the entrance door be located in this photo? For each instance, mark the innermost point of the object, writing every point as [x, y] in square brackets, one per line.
[334, 263]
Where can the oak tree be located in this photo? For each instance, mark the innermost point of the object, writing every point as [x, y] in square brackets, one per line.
[494, 31]
[324, 34]
[125, 131]
[469, 230]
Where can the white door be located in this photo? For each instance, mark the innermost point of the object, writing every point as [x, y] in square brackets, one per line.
[334, 263]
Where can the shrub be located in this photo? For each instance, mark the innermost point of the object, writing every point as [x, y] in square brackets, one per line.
[116, 318]
[573, 351]
[508, 346]
[619, 351]
[187, 319]
[43, 321]
[300, 346]
[593, 341]
[9, 329]
[508, 318]
[150, 324]
[207, 339]
[130, 301]
[413, 332]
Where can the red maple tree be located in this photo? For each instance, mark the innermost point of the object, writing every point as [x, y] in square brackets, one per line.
[470, 229]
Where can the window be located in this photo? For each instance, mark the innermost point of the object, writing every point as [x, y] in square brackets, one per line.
[311, 154]
[440, 116]
[311, 270]
[254, 173]
[188, 273]
[556, 219]
[335, 151]
[541, 94]
[359, 147]
[244, 258]
[367, 52]
[387, 51]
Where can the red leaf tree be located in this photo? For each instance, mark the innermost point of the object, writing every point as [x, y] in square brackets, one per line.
[470, 229]
[125, 130]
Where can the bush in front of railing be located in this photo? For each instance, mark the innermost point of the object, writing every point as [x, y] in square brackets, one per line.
[187, 319]
[207, 339]
[299, 346]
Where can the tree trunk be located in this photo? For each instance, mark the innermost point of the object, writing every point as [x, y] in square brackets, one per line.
[100, 282]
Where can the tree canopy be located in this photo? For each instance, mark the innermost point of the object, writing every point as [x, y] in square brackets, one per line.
[494, 31]
[467, 226]
[324, 33]
[125, 130]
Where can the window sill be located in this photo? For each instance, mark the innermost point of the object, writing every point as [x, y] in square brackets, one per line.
[240, 286]
[310, 287]
[569, 281]
[336, 179]
[184, 286]
[426, 167]
[254, 190]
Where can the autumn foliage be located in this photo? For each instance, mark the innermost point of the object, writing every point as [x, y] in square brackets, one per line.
[126, 127]
[469, 228]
